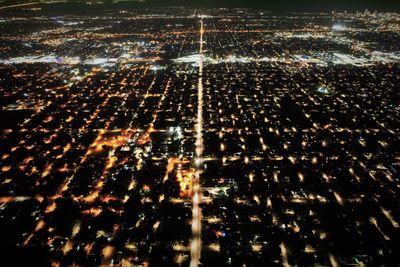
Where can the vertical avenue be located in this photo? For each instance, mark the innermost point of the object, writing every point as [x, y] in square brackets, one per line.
[195, 249]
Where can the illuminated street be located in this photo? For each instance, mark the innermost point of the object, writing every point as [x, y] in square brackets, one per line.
[195, 248]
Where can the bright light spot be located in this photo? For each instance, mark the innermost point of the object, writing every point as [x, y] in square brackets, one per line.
[338, 27]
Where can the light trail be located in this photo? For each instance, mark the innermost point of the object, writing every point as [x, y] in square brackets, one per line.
[19, 5]
[195, 247]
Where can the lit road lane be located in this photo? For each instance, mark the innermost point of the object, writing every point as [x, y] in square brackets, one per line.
[19, 5]
[195, 247]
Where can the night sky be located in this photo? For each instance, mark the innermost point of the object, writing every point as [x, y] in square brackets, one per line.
[303, 5]
[274, 5]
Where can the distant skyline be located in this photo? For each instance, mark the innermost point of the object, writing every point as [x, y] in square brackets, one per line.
[274, 5]
[385, 5]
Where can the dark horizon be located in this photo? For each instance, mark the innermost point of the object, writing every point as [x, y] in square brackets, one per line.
[291, 5]
[282, 5]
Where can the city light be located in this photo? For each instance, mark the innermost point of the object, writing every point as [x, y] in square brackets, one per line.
[134, 134]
